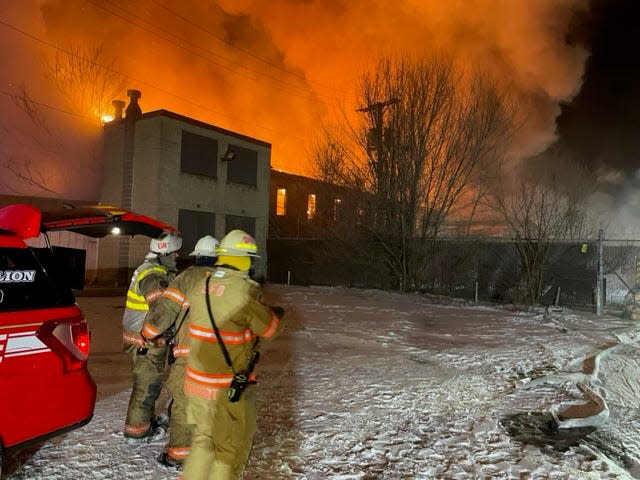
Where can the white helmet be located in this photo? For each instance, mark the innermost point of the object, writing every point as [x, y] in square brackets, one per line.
[238, 243]
[166, 244]
[205, 247]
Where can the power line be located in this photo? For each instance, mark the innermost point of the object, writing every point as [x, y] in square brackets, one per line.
[51, 107]
[142, 82]
[177, 41]
[246, 52]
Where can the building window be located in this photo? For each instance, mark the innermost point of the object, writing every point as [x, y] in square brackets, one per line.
[311, 206]
[199, 155]
[193, 225]
[243, 168]
[337, 208]
[281, 201]
[237, 222]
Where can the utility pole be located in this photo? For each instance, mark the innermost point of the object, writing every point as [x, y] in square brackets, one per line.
[376, 113]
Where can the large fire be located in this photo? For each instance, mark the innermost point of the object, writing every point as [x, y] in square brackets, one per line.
[280, 70]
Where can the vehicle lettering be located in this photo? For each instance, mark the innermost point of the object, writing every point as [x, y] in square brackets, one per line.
[1, 295]
[17, 276]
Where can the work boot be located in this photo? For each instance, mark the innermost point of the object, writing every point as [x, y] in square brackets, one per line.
[169, 462]
[158, 429]
[161, 420]
[136, 435]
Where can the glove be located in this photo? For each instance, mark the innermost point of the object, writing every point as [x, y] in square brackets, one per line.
[143, 350]
[159, 342]
[153, 342]
[278, 310]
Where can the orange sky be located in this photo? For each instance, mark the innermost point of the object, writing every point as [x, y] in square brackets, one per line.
[275, 70]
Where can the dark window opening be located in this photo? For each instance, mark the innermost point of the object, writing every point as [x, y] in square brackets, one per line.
[237, 222]
[337, 209]
[199, 155]
[243, 169]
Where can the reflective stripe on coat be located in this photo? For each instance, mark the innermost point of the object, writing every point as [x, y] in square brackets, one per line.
[137, 303]
[241, 320]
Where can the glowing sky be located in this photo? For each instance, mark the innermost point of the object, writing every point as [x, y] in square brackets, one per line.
[272, 70]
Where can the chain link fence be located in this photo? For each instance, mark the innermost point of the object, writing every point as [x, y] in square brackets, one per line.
[486, 270]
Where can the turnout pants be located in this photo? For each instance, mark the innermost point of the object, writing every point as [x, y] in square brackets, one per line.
[222, 437]
[148, 373]
[180, 430]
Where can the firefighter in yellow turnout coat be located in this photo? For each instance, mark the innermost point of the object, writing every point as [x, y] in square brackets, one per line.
[224, 424]
[147, 285]
[172, 311]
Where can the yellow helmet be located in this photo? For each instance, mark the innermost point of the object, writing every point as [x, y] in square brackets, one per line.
[237, 243]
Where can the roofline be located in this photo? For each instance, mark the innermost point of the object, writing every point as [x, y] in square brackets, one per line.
[198, 123]
[298, 175]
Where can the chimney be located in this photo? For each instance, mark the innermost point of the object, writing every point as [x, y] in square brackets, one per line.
[118, 106]
[133, 109]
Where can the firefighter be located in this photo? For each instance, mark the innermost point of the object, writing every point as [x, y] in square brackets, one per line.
[171, 312]
[226, 321]
[147, 285]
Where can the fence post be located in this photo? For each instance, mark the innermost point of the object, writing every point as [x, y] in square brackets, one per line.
[475, 296]
[288, 277]
[557, 300]
[600, 273]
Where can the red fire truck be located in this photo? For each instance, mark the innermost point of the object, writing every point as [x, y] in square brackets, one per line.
[45, 388]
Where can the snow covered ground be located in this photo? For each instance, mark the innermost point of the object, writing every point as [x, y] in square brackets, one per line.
[364, 384]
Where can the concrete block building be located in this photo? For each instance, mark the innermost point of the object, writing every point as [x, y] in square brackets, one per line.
[201, 178]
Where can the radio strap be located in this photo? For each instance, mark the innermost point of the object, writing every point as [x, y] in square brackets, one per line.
[225, 352]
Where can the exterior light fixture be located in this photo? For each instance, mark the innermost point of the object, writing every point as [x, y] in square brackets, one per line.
[228, 155]
[115, 230]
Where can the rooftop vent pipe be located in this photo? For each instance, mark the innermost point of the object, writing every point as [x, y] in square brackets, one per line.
[118, 106]
[133, 109]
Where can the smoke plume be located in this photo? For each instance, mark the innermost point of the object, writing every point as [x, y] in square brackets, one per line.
[277, 70]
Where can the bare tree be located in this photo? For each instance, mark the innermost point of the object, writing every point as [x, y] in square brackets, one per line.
[543, 204]
[39, 137]
[427, 130]
[87, 79]
[88, 83]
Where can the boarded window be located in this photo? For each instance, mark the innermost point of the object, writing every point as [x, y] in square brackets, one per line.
[243, 168]
[237, 222]
[311, 206]
[281, 201]
[193, 225]
[199, 155]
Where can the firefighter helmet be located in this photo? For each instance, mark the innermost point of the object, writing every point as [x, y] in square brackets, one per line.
[205, 247]
[238, 243]
[166, 244]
